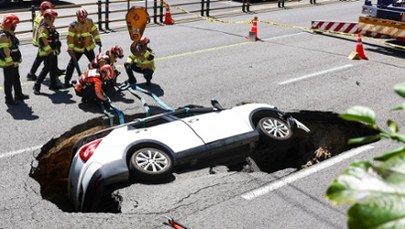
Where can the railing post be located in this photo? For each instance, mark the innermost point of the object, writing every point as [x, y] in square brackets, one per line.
[128, 5]
[207, 11]
[161, 10]
[202, 8]
[107, 12]
[99, 15]
[33, 16]
[155, 11]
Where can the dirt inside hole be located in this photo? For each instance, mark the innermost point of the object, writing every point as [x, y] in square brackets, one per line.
[328, 137]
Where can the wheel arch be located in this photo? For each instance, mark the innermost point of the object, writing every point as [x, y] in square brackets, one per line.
[257, 114]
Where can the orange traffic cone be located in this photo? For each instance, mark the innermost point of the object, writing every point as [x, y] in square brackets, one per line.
[168, 16]
[359, 53]
[254, 31]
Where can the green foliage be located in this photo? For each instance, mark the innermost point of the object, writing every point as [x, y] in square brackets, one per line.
[375, 191]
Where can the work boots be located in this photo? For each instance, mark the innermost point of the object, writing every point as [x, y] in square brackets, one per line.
[21, 97]
[37, 88]
[31, 77]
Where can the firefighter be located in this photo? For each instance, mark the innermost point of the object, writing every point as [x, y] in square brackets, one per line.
[81, 39]
[10, 58]
[109, 57]
[49, 49]
[39, 18]
[90, 84]
[141, 60]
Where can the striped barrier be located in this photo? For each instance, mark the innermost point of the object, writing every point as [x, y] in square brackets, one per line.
[380, 28]
[339, 27]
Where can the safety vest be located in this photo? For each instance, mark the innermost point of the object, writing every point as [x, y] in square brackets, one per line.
[88, 78]
[142, 57]
[82, 36]
[35, 33]
[50, 34]
[10, 43]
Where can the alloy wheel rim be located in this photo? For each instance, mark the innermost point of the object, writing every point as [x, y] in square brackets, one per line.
[276, 128]
[151, 160]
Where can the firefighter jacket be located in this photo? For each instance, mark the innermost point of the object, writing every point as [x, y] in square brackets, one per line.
[9, 52]
[82, 36]
[49, 42]
[142, 57]
[91, 78]
[38, 20]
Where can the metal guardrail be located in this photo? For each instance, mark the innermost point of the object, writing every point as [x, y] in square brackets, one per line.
[155, 9]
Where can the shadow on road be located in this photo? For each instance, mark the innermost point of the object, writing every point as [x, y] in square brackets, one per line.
[22, 112]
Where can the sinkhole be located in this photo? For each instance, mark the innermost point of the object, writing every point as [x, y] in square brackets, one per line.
[328, 137]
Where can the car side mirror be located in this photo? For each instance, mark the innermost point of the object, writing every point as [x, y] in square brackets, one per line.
[216, 104]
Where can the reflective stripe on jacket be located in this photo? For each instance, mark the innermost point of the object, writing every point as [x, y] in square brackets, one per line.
[48, 40]
[82, 37]
[35, 33]
[143, 59]
[9, 50]
[91, 78]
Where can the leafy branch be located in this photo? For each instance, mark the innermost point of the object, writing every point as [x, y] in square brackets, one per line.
[375, 191]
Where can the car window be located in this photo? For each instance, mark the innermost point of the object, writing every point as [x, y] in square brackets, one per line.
[169, 117]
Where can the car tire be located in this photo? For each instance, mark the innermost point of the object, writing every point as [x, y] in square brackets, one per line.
[272, 129]
[150, 164]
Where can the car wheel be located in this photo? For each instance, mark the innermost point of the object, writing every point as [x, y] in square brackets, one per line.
[150, 164]
[274, 129]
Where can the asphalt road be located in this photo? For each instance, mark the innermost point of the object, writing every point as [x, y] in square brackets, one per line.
[196, 62]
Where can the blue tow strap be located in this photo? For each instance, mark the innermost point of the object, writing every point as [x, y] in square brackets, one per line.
[144, 103]
[118, 112]
[133, 89]
[155, 97]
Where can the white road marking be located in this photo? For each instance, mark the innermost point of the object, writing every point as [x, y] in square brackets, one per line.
[29, 149]
[315, 74]
[305, 172]
[283, 36]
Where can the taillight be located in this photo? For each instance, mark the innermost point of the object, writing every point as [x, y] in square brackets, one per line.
[87, 150]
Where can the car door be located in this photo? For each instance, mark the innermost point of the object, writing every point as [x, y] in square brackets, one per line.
[176, 135]
[217, 125]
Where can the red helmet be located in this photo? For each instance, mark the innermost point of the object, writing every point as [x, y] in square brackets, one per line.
[46, 5]
[117, 51]
[81, 13]
[107, 72]
[10, 20]
[50, 12]
[102, 57]
[144, 40]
